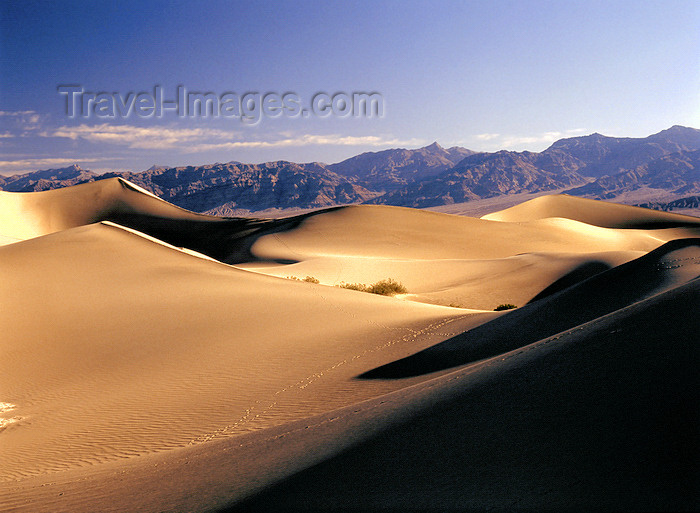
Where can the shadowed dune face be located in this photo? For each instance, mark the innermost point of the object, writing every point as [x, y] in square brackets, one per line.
[580, 273]
[136, 358]
[28, 215]
[603, 417]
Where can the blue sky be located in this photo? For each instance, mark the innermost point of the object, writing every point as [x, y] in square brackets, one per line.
[486, 75]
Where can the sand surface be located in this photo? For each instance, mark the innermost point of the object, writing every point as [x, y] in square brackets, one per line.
[153, 359]
[606, 215]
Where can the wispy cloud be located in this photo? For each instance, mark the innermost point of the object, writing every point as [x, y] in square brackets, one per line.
[519, 142]
[150, 138]
[22, 120]
[193, 140]
[15, 113]
[546, 137]
[309, 140]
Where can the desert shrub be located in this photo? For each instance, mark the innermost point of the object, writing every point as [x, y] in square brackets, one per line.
[308, 279]
[387, 287]
[505, 306]
[353, 286]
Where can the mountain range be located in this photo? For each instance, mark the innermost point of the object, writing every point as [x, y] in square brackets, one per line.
[594, 166]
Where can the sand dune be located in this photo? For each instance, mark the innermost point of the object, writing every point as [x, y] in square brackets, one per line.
[463, 283]
[670, 266]
[130, 346]
[450, 260]
[139, 371]
[597, 213]
[33, 214]
[396, 232]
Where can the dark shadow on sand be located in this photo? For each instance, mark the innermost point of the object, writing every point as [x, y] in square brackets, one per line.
[605, 422]
[228, 240]
[582, 272]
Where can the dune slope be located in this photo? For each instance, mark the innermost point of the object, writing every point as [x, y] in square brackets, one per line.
[598, 213]
[451, 260]
[602, 417]
[122, 346]
[673, 264]
[396, 232]
[32, 214]
[28, 215]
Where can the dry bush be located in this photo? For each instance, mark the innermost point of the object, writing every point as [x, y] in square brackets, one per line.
[308, 279]
[361, 287]
[387, 287]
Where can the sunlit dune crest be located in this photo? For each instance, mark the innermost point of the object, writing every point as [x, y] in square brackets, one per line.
[27, 215]
[597, 213]
[156, 359]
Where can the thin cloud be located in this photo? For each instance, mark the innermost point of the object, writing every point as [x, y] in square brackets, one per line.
[16, 113]
[308, 140]
[21, 122]
[156, 138]
[194, 140]
[544, 138]
[487, 137]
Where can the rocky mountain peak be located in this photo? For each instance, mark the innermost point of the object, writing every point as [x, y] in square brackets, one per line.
[434, 147]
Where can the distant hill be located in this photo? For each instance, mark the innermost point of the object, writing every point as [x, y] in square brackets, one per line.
[677, 173]
[234, 187]
[594, 166]
[250, 186]
[601, 155]
[390, 169]
[691, 202]
[47, 179]
[597, 166]
[485, 175]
